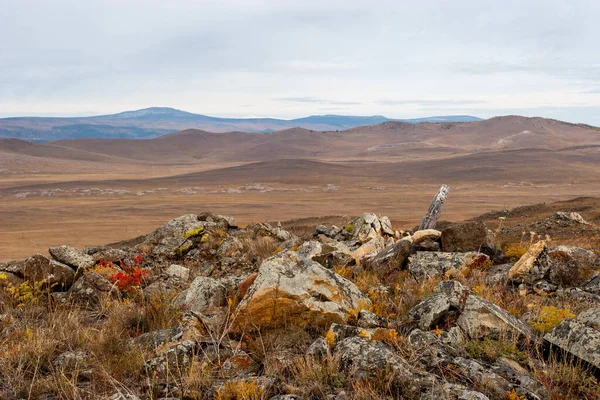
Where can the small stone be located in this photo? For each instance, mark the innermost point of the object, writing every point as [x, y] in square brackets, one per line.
[179, 272]
[318, 349]
[368, 319]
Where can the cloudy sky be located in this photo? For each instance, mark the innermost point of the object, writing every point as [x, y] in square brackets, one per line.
[295, 58]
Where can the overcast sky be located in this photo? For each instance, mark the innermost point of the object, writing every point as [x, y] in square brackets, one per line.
[289, 59]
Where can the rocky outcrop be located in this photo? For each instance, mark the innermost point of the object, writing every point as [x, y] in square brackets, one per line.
[294, 291]
[579, 337]
[565, 266]
[427, 265]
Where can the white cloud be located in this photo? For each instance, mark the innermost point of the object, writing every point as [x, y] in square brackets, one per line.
[288, 59]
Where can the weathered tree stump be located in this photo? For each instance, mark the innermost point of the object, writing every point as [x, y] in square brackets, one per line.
[435, 209]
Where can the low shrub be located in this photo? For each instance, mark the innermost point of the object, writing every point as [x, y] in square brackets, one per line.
[550, 317]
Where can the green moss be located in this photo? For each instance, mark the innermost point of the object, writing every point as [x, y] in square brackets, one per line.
[490, 350]
[205, 238]
[194, 232]
[350, 228]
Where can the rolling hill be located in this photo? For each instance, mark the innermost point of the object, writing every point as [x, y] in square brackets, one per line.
[158, 121]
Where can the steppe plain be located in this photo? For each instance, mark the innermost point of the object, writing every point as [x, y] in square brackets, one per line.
[86, 192]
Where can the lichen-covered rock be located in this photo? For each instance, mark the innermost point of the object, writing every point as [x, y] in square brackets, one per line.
[171, 237]
[108, 254]
[426, 265]
[393, 256]
[90, 289]
[51, 273]
[310, 249]
[319, 349]
[368, 249]
[439, 308]
[293, 291]
[481, 318]
[368, 319]
[569, 218]
[570, 265]
[580, 337]
[205, 295]
[334, 254]
[369, 359]
[174, 362]
[468, 236]
[69, 359]
[532, 266]
[498, 274]
[386, 226]
[152, 340]
[71, 256]
[178, 272]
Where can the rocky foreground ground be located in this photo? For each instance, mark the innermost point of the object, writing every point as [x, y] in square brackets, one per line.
[204, 308]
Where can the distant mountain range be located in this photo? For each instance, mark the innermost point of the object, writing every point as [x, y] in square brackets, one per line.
[158, 121]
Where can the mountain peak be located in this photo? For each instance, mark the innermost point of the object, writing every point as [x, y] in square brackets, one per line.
[151, 111]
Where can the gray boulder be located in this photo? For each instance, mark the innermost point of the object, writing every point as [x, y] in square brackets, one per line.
[172, 237]
[426, 265]
[71, 256]
[365, 359]
[481, 318]
[173, 363]
[393, 256]
[205, 295]
[318, 349]
[579, 337]
[468, 236]
[292, 290]
[570, 265]
[90, 289]
[436, 310]
[51, 273]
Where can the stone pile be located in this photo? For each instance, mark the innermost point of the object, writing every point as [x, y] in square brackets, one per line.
[221, 284]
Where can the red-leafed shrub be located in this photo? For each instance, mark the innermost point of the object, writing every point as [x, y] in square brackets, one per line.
[130, 277]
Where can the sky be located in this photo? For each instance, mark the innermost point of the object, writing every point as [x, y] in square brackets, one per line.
[288, 59]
